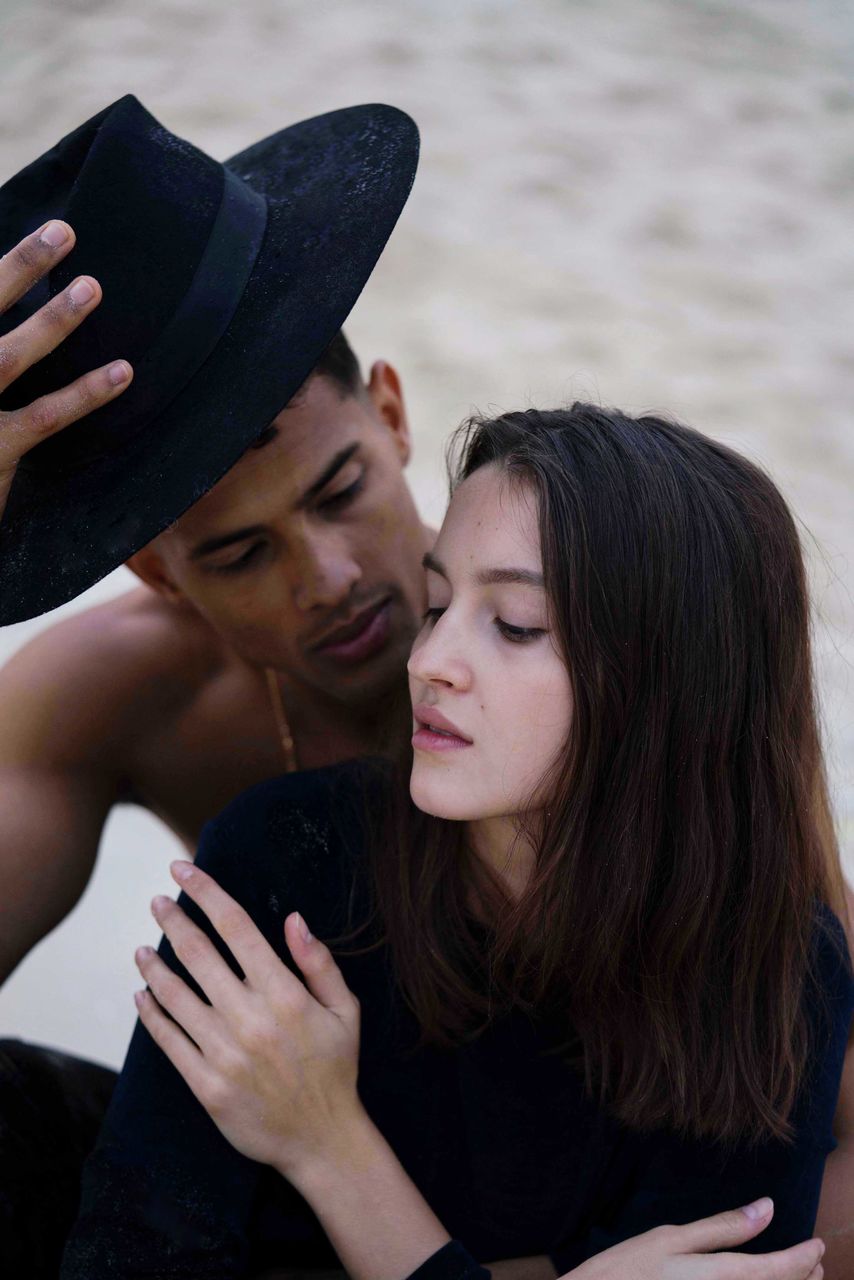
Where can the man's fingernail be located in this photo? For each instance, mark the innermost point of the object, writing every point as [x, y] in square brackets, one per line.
[81, 292]
[759, 1209]
[182, 870]
[118, 373]
[304, 931]
[54, 234]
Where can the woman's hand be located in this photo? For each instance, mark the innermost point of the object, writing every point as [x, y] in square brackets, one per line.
[692, 1253]
[21, 268]
[273, 1062]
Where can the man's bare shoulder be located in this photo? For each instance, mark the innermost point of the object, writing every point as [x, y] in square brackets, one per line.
[119, 666]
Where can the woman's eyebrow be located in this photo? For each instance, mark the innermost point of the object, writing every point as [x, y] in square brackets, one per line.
[490, 577]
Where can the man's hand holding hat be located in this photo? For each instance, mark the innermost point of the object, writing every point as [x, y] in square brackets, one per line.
[22, 429]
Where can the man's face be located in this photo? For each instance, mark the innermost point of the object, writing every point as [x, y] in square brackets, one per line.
[306, 556]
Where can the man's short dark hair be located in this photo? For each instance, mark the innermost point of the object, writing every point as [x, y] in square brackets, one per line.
[339, 364]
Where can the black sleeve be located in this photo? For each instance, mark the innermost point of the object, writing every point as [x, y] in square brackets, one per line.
[665, 1179]
[164, 1195]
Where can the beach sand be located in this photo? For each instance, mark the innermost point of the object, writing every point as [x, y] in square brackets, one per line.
[648, 205]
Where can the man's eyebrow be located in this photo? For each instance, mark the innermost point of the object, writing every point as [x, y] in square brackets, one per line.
[491, 577]
[342, 457]
[205, 548]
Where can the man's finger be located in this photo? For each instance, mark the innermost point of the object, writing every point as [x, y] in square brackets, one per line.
[23, 429]
[235, 926]
[31, 259]
[43, 331]
[317, 965]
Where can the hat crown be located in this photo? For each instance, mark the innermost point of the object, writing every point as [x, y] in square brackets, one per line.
[142, 202]
[223, 284]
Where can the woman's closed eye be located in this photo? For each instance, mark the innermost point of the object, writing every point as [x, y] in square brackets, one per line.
[518, 635]
[510, 632]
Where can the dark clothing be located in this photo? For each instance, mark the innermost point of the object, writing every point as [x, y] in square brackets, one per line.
[499, 1135]
[51, 1108]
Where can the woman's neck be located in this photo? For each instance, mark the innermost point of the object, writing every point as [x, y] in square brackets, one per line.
[507, 852]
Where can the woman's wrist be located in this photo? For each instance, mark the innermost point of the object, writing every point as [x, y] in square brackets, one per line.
[352, 1143]
[375, 1217]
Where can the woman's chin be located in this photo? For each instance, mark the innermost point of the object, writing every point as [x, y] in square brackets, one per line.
[438, 799]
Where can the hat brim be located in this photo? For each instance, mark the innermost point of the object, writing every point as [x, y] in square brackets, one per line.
[338, 182]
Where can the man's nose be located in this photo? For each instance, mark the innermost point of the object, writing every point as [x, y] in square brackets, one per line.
[326, 573]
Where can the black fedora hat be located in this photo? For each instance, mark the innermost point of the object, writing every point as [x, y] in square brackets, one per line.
[222, 284]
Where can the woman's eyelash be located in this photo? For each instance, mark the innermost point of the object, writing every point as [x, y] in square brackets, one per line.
[518, 635]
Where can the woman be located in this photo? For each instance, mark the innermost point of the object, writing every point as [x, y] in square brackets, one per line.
[601, 981]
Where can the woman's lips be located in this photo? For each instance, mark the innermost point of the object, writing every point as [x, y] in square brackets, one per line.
[435, 732]
[367, 635]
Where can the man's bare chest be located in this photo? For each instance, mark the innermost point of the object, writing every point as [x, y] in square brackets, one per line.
[224, 741]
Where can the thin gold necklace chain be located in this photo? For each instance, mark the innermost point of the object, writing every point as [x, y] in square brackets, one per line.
[282, 726]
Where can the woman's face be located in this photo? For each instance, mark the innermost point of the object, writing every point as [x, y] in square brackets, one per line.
[490, 692]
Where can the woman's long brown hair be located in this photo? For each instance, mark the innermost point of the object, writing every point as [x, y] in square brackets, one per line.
[671, 918]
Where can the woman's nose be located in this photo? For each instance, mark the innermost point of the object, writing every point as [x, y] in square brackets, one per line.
[437, 658]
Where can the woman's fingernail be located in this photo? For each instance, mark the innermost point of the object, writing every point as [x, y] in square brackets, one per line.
[54, 234]
[138, 998]
[759, 1209]
[81, 292]
[118, 373]
[304, 931]
[143, 953]
[182, 870]
[160, 903]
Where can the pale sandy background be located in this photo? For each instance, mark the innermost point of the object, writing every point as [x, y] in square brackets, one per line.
[649, 204]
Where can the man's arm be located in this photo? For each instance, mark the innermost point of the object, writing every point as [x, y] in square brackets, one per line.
[57, 784]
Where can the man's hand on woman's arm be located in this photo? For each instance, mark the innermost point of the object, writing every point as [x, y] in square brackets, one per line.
[21, 268]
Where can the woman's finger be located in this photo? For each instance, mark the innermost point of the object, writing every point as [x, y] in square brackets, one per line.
[199, 956]
[798, 1263]
[235, 926]
[173, 995]
[317, 965]
[179, 1049]
[31, 259]
[725, 1230]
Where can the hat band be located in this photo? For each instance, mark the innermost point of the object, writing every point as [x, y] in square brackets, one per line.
[208, 305]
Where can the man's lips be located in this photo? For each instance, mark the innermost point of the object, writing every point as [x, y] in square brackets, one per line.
[435, 732]
[363, 636]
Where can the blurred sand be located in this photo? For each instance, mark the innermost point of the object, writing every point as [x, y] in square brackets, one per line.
[647, 204]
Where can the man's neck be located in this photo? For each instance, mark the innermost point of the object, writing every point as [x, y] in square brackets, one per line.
[326, 731]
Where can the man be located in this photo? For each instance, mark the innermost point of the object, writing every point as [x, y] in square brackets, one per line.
[288, 593]
[303, 561]
[274, 616]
